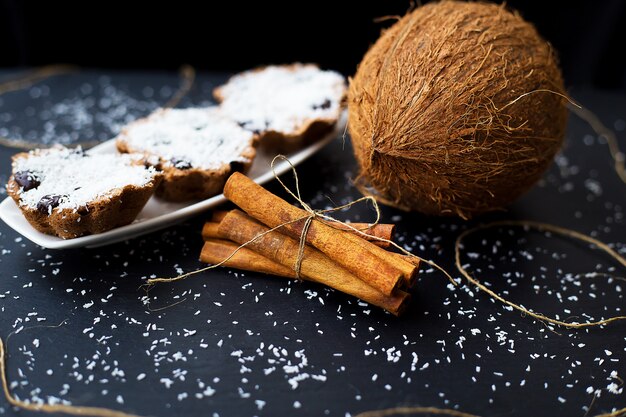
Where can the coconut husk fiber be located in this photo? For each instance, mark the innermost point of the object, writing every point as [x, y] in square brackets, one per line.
[457, 109]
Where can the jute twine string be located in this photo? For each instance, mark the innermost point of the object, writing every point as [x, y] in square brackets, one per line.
[442, 411]
[308, 219]
[187, 75]
[616, 413]
[35, 76]
[151, 281]
[619, 158]
[340, 225]
[545, 228]
[414, 410]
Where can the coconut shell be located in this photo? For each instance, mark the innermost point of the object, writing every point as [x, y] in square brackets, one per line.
[457, 109]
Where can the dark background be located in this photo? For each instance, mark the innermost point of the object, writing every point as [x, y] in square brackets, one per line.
[589, 35]
[455, 347]
[459, 349]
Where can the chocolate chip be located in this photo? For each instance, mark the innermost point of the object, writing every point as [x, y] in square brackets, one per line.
[181, 164]
[79, 151]
[246, 123]
[324, 106]
[48, 202]
[27, 180]
[148, 164]
[236, 166]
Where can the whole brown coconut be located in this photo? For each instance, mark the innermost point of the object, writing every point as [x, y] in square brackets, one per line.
[456, 109]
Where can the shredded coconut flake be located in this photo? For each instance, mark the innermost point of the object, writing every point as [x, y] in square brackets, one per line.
[202, 137]
[283, 98]
[79, 178]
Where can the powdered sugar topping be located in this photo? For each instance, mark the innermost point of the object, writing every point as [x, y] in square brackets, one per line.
[199, 137]
[75, 178]
[283, 99]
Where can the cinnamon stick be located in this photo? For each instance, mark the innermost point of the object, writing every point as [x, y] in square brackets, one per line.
[215, 251]
[370, 263]
[210, 231]
[380, 230]
[218, 215]
[241, 228]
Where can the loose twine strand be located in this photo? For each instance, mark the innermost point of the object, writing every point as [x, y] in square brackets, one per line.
[611, 140]
[541, 227]
[414, 410]
[187, 75]
[35, 76]
[313, 214]
[153, 281]
[616, 413]
[619, 158]
[443, 411]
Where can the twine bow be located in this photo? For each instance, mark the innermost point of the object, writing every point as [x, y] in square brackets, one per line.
[331, 221]
[314, 214]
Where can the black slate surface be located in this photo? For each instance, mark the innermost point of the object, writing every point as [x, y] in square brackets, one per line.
[243, 344]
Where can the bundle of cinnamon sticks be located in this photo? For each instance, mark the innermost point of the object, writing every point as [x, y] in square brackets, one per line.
[334, 255]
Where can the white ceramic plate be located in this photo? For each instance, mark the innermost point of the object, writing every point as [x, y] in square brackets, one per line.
[157, 214]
